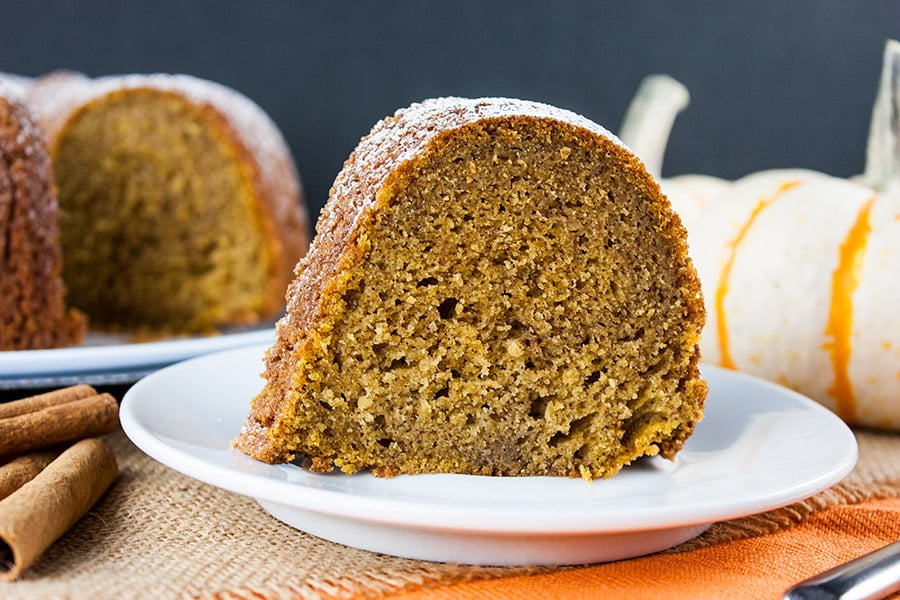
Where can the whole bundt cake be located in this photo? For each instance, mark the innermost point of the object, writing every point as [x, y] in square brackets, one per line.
[33, 314]
[496, 287]
[181, 208]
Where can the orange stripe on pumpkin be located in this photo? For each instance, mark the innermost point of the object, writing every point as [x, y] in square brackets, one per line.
[840, 317]
[725, 274]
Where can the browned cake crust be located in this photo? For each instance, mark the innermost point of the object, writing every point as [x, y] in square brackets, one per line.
[496, 287]
[32, 310]
[255, 169]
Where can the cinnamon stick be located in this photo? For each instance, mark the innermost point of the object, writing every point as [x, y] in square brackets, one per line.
[23, 469]
[34, 403]
[58, 423]
[39, 512]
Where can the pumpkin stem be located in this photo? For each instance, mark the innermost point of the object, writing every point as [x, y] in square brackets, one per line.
[883, 151]
[649, 118]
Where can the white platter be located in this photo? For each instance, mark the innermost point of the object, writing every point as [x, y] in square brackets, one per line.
[114, 359]
[759, 447]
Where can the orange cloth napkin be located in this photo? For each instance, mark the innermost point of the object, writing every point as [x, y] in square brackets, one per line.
[759, 567]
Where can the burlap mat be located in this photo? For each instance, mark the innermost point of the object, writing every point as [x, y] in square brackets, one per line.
[159, 534]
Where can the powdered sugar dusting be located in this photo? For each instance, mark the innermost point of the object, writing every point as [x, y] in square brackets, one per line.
[54, 97]
[438, 113]
[14, 89]
[393, 141]
[401, 137]
[14, 86]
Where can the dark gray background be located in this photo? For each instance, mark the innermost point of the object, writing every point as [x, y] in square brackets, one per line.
[774, 83]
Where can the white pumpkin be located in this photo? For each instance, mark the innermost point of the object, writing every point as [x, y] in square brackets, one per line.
[800, 270]
[646, 129]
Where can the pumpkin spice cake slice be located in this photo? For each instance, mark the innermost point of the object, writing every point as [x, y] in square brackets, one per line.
[497, 287]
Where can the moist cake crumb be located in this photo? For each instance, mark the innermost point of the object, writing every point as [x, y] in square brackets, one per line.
[496, 287]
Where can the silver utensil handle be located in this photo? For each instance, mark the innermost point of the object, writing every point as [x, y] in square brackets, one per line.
[871, 576]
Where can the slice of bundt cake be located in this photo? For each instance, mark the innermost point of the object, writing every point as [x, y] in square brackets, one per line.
[497, 287]
[181, 208]
[32, 310]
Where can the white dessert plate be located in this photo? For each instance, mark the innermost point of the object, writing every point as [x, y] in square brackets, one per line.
[759, 447]
[105, 359]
